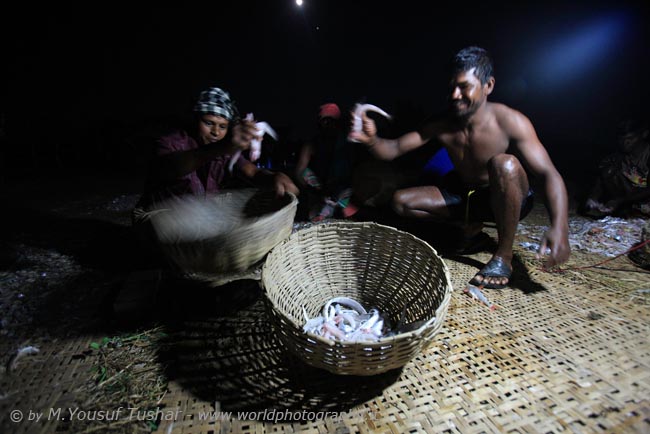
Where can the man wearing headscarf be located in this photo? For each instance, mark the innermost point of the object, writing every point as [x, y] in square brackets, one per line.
[196, 163]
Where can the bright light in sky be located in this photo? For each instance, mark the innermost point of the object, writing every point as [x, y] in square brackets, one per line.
[299, 2]
[581, 51]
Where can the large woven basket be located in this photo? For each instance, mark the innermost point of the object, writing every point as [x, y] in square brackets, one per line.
[377, 265]
[223, 234]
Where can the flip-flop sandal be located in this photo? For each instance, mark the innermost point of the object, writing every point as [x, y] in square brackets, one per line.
[494, 268]
[475, 244]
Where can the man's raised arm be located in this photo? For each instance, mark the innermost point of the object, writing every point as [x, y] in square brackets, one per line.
[387, 149]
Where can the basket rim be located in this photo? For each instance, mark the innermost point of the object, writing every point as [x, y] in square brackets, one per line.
[248, 221]
[348, 223]
[233, 257]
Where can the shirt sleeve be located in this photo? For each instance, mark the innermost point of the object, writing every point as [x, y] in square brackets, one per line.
[174, 142]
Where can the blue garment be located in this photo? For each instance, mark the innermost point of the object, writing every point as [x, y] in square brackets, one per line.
[440, 164]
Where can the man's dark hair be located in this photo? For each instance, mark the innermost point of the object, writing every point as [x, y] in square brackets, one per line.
[474, 57]
[632, 126]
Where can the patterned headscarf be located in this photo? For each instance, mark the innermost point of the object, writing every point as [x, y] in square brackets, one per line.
[216, 102]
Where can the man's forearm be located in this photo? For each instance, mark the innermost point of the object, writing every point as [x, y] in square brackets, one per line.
[384, 149]
[179, 164]
[557, 202]
[263, 178]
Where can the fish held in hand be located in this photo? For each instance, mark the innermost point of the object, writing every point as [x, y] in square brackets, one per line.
[357, 116]
[256, 143]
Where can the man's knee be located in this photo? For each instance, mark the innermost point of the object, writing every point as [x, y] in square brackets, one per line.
[399, 202]
[505, 165]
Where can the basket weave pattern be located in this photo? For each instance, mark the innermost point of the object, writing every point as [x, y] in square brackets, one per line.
[228, 232]
[378, 266]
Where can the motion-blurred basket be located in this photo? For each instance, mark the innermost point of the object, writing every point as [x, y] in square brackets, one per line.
[225, 234]
[374, 264]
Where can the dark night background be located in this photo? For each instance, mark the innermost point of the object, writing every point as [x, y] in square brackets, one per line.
[84, 91]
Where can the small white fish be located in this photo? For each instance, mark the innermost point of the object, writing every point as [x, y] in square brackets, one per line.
[25, 351]
[331, 329]
[377, 328]
[475, 293]
[346, 302]
[368, 325]
[359, 110]
[256, 143]
[347, 317]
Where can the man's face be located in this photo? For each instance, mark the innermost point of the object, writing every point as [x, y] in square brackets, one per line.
[212, 128]
[467, 93]
[630, 141]
[328, 125]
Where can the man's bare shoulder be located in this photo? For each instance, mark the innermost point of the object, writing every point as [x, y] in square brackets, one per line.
[434, 126]
[512, 121]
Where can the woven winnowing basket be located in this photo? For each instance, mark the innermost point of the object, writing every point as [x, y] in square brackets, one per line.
[224, 233]
[377, 265]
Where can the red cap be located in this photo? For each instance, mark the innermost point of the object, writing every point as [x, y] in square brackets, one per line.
[329, 110]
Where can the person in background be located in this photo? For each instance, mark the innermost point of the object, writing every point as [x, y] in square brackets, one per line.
[622, 186]
[324, 168]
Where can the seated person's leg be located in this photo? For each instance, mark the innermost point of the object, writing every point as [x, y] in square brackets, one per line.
[509, 200]
[426, 202]
[374, 183]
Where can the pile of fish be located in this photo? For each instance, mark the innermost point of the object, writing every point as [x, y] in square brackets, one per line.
[344, 319]
[609, 236]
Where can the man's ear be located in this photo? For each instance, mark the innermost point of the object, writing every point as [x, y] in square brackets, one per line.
[489, 86]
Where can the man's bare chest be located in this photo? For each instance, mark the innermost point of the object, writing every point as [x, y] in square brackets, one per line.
[476, 148]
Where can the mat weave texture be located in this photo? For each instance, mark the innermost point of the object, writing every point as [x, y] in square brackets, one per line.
[564, 353]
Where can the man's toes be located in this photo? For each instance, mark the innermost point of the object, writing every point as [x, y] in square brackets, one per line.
[496, 280]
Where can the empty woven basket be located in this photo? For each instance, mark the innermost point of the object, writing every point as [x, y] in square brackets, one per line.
[224, 233]
[377, 265]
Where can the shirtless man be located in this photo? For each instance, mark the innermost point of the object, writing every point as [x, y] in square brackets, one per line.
[490, 145]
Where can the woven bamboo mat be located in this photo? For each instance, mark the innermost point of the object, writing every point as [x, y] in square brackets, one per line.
[564, 353]
[561, 354]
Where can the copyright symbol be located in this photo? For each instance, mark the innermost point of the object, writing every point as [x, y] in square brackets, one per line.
[16, 416]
